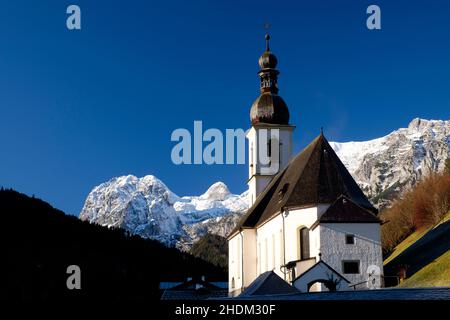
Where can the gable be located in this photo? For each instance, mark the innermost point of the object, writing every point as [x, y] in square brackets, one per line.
[344, 210]
[320, 272]
[268, 283]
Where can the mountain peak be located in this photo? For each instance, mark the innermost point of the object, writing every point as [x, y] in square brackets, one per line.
[217, 191]
[146, 207]
[419, 124]
[386, 166]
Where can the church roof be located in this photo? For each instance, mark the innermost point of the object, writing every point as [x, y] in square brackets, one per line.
[194, 289]
[268, 283]
[317, 265]
[269, 108]
[315, 176]
[345, 210]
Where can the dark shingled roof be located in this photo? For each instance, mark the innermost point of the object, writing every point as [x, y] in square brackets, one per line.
[345, 210]
[315, 176]
[268, 283]
[386, 294]
[269, 108]
[194, 290]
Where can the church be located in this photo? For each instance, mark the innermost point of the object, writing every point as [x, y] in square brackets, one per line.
[309, 223]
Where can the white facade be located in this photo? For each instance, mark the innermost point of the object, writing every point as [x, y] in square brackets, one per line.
[260, 170]
[242, 247]
[366, 249]
[277, 242]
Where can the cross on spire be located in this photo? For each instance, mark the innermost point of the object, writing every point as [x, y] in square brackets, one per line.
[267, 26]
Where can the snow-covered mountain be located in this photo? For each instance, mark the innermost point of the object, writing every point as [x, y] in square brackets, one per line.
[385, 166]
[146, 207]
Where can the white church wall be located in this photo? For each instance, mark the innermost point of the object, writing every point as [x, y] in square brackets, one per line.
[242, 260]
[366, 248]
[234, 265]
[276, 247]
[270, 246]
[252, 154]
[286, 146]
[295, 220]
[258, 179]
[256, 185]
[250, 258]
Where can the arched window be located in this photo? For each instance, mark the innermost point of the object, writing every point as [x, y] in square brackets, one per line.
[304, 243]
[259, 258]
[233, 285]
[266, 255]
[280, 146]
[273, 252]
[281, 248]
[252, 167]
[239, 254]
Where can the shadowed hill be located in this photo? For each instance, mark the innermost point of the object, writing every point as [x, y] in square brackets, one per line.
[426, 253]
[40, 242]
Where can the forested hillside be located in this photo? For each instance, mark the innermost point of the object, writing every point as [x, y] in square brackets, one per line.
[39, 242]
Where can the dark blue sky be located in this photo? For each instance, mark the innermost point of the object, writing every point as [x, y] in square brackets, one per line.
[79, 107]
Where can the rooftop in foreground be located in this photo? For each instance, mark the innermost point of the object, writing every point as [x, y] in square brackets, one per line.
[390, 294]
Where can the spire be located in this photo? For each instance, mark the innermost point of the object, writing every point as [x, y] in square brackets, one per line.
[268, 74]
[269, 107]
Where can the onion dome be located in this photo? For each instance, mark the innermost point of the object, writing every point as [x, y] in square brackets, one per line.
[269, 108]
[268, 60]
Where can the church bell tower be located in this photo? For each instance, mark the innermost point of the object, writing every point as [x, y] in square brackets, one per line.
[270, 137]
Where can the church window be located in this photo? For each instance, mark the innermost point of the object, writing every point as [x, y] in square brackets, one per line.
[283, 191]
[273, 251]
[239, 268]
[349, 239]
[251, 158]
[260, 258]
[280, 152]
[281, 248]
[350, 267]
[232, 256]
[304, 243]
[266, 255]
